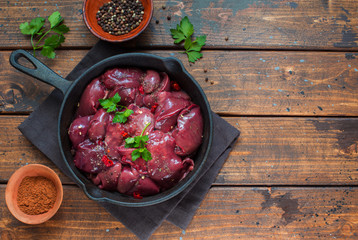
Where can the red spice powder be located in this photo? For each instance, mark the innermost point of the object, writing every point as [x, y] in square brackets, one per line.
[36, 195]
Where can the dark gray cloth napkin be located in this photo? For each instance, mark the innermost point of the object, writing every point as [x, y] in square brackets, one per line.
[144, 220]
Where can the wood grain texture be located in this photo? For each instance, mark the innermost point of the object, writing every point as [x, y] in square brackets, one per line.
[275, 24]
[270, 151]
[225, 213]
[17, 151]
[293, 173]
[293, 151]
[283, 83]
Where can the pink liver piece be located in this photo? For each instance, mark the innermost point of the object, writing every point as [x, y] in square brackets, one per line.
[175, 132]
[122, 77]
[166, 168]
[152, 98]
[145, 187]
[89, 103]
[129, 176]
[128, 95]
[168, 110]
[88, 157]
[113, 139]
[98, 125]
[151, 81]
[108, 179]
[78, 130]
[189, 130]
[138, 120]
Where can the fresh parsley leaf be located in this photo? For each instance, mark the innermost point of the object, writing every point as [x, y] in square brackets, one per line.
[50, 44]
[146, 155]
[183, 32]
[201, 40]
[54, 41]
[193, 56]
[194, 46]
[187, 43]
[36, 29]
[26, 29]
[33, 27]
[145, 138]
[39, 33]
[55, 19]
[128, 112]
[139, 143]
[186, 27]
[177, 35]
[110, 103]
[136, 154]
[132, 142]
[121, 117]
[61, 29]
[116, 98]
[48, 51]
[129, 142]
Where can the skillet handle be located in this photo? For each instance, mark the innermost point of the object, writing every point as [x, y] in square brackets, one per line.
[41, 71]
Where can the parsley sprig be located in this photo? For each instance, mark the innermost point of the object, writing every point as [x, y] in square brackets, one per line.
[111, 105]
[183, 32]
[35, 28]
[139, 143]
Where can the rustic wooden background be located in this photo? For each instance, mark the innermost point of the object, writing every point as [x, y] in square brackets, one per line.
[285, 73]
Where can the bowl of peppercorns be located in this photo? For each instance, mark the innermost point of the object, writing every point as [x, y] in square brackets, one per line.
[117, 20]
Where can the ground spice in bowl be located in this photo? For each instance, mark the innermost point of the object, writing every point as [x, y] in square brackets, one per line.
[36, 195]
[119, 17]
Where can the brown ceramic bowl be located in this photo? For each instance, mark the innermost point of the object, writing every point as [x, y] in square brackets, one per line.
[32, 170]
[90, 8]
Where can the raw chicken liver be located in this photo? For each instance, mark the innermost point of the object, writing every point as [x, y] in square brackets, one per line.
[175, 132]
[89, 103]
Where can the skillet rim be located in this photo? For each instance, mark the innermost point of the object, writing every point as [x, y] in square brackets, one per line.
[188, 180]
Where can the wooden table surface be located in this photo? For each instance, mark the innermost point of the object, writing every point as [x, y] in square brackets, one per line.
[285, 73]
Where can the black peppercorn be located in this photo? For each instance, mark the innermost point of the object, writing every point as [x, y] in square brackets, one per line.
[120, 17]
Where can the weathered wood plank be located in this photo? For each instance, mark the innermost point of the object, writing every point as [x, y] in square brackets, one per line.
[293, 151]
[226, 213]
[272, 24]
[270, 151]
[236, 82]
[17, 151]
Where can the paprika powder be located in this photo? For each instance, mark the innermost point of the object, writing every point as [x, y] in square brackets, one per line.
[36, 195]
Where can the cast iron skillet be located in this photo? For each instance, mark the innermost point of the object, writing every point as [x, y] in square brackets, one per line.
[72, 92]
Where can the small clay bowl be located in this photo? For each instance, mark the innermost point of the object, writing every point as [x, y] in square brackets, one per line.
[90, 8]
[31, 170]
